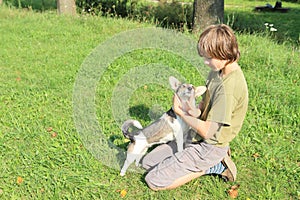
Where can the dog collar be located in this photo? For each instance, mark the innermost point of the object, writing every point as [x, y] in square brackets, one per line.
[171, 113]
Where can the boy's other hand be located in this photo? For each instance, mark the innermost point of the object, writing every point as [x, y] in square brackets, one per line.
[177, 105]
[193, 111]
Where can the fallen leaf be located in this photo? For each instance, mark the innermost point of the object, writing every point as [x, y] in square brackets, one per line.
[54, 134]
[233, 191]
[18, 78]
[256, 155]
[19, 180]
[123, 193]
[145, 87]
[1, 192]
[49, 129]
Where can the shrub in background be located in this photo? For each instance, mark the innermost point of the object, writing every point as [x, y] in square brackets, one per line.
[40, 5]
[105, 7]
[173, 14]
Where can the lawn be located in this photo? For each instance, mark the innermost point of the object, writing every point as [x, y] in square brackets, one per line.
[68, 82]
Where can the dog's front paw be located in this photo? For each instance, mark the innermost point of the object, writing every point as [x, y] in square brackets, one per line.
[122, 173]
[195, 112]
[137, 164]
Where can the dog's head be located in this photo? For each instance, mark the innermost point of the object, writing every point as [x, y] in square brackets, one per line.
[185, 91]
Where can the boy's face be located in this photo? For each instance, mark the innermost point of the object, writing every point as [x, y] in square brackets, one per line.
[214, 64]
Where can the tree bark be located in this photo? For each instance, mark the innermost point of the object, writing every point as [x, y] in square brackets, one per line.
[66, 7]
[207, 12]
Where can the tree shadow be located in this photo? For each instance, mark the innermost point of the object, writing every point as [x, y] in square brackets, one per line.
[178, 15]
[140, 112]
[287, 24]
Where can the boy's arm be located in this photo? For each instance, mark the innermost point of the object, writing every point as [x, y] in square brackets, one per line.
[205, 129]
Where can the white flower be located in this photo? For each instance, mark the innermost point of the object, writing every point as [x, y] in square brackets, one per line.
[273, 29]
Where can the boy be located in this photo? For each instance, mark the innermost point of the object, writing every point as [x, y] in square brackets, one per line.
[223, 110]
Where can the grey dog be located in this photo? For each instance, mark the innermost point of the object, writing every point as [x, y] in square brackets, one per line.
[167, 128]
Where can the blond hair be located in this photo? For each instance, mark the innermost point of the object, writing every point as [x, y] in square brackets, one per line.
[219, 42]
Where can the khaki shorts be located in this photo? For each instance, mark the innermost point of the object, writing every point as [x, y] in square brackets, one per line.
[165, 165]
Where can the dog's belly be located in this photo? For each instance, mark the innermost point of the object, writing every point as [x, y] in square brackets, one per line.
[159, 131]
[167, 138]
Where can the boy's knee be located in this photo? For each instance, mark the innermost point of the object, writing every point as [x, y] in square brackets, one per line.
[156, 183]
[150, 181]
[146, 164]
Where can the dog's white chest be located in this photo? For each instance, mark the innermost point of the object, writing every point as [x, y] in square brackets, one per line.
[178, 124]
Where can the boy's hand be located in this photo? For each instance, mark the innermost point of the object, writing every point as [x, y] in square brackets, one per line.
[177, 106]
[193, 111]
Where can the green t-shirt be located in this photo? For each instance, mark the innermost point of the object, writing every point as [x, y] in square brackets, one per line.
[225, 102]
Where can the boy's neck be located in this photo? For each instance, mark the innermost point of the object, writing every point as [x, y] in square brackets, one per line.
[229, 68]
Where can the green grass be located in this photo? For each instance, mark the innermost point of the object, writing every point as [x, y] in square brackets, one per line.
[242, 17]
[41, 56]
[239, 14]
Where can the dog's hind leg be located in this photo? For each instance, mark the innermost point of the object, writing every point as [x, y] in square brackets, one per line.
[139, 157]
[131, 157]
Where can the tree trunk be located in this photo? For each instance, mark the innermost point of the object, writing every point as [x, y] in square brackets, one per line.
[1, 1]
[66, 7]
[207, 12]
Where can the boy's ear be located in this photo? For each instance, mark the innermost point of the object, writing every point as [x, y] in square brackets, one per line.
[174, 82]
[199, 91]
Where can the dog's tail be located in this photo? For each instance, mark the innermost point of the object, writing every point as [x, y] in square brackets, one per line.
[131, 124]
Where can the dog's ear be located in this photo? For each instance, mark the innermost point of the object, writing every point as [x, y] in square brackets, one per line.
[174, 82]
[199, 91]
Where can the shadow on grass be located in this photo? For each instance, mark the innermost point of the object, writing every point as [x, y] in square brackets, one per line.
[179, 16]
[287, 24]
[140, 112]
